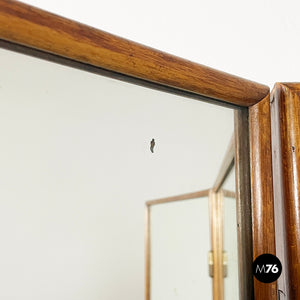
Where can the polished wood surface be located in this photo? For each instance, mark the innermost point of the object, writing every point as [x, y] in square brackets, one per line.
[283, 282]
[243, 204]
[32, 27]
[286, 136]
[216, 229]
[262, 191]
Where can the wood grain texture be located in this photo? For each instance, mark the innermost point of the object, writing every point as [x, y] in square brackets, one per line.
[243, 204]
[32, 27]
[286, 136]
[283, 282]
[263, 231]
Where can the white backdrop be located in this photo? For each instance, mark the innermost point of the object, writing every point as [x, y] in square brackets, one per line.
[257, 39]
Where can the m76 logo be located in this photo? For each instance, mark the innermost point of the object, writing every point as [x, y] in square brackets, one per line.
[267, 268]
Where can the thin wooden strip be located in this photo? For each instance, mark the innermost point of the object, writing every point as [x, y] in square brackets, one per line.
[262, 191]
[226, 167]
[216, 225]
[229, 194]
[220, 226]
[211, 202]
[283, 282]
[147, 253]
[286, 140]
[243, 204]
[188, 196]
[32, 27]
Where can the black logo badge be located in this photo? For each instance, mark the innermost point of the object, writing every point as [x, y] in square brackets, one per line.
[267, 268]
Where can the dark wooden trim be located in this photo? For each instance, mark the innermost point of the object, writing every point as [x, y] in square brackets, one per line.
[263, 230]
[38, 29]
[243, 203]
[188, 196]
[226, 166]
[286, 141]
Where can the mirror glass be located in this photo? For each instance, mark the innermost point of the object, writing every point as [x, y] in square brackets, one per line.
[180, 243]
[77, 168]
[230, 239]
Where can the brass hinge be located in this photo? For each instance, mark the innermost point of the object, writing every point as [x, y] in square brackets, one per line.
[211, 264]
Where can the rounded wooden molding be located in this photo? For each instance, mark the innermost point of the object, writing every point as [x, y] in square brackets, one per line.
[38, 29]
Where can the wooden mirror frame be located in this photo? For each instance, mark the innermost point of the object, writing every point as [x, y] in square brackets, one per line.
[29, 30]
[285, 112]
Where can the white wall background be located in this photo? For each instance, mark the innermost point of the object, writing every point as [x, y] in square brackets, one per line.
[257, 39]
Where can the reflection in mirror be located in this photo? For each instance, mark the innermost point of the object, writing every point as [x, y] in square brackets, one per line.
[226, 183]
[180, 242]
[173, 260]
[230, 240]
[78, 166]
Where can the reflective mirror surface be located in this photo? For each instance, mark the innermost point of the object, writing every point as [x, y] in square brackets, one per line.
[180, 242]
[230, 240]
[76, 171]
